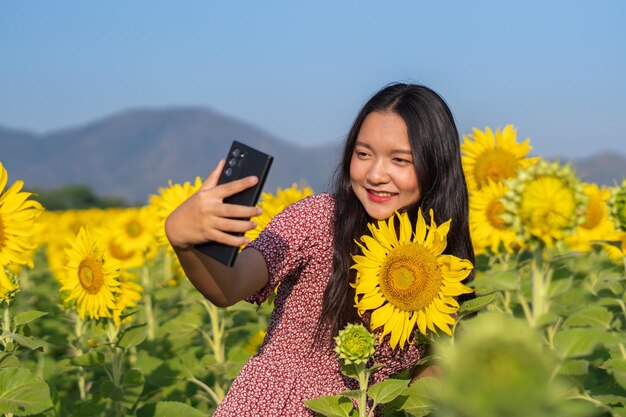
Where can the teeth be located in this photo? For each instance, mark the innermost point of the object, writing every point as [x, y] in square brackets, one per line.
[381, 193]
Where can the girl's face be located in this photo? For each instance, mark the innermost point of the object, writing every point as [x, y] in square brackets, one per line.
[381, 169]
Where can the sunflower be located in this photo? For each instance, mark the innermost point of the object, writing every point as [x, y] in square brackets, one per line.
[617, 251]
[18, 227]
[92, 279]
[597, 224]
[618, 205]
[134, 230]
[272, 204]
[493, 156]
[544, 203]
[111, 242]
[406, 280]
[128, 294]
[255, 342]
[163, 204]
[487, 227]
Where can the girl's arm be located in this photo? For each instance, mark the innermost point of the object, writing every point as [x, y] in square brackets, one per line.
[205, 217]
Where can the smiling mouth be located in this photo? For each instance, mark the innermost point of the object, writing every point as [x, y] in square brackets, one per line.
[381, 193]
[380, 196]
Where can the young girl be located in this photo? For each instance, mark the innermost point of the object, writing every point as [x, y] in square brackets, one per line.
[402, 153]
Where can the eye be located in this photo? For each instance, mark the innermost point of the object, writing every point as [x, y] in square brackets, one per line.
[361, 154]
[402, 161]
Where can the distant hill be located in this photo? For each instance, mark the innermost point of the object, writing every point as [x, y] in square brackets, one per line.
[603, 168]
[132, 154]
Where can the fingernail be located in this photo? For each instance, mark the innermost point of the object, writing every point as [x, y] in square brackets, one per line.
[259, 212]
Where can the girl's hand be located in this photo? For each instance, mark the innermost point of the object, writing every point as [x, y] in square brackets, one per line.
[205, 217]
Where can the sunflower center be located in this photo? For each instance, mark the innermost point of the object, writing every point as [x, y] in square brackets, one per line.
[133, 228]
[494, 211]
[495, 164]
[90, 275]
[117, 252]
[410, 278]
[548, 204]
[402, 277]
[594, 214]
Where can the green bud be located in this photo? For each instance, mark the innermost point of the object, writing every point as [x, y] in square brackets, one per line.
[617, 205]
[354, 344]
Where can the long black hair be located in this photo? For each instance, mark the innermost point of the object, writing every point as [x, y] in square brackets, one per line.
[434, 141]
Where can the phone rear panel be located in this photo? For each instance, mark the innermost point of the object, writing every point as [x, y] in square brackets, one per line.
[242, 161]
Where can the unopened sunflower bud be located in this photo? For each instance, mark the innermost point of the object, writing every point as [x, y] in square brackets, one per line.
[618, 206]
[354, 344]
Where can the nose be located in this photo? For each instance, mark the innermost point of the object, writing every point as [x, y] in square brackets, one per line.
[377, 174]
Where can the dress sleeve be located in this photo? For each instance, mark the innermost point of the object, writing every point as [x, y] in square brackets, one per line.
[287, 240]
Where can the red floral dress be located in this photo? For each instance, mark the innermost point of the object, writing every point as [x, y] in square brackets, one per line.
[297, 246]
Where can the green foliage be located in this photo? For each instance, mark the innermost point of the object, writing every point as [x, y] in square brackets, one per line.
[560, 352]
[74, 196]
[23, 393]
[181, 365]
[332, 406]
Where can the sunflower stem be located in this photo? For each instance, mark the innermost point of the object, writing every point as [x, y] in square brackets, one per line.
[363, 376]
[214, 396]
[217, 331]
[147, 301]
[539, 286]
[118, 365]
[78, 330]
[216, 341]
[524, 303]
[6, 326]
[167, 267]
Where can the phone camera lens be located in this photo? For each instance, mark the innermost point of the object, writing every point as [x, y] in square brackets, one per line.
[236, 152]
[232, 162]
[228, 172]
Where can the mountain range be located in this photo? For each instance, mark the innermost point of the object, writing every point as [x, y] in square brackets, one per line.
[133, 153]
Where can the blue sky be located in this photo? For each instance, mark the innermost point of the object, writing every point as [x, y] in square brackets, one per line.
[301, 70]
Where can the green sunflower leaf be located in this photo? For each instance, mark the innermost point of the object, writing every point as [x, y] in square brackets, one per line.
[26, 317]
[420, 397]
[617, 367]
[572, 343]
[574, 367]
[386, 391]
[91, 359]
[331, 406]
[176, 409]
[592, 316]
[478, 303]
[128, 392]
[133, 336]
[8, 360]
[29, 342]
[23, 393]
[350, 394]
[500, 281]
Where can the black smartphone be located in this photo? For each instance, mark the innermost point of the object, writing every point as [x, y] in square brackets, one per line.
[242, 161]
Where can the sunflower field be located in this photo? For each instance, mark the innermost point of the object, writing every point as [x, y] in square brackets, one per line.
[98, 319]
